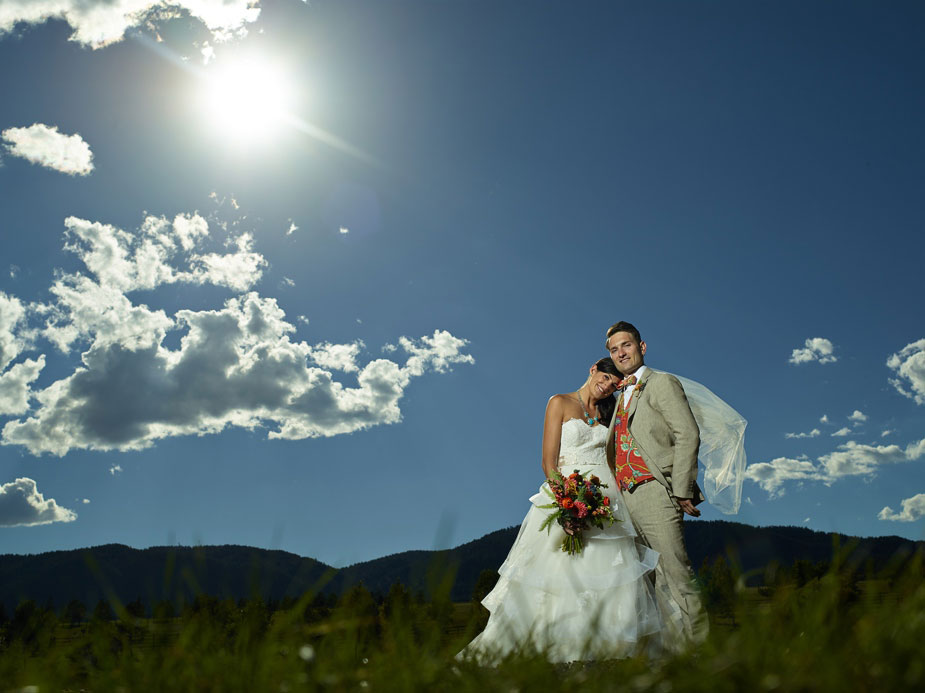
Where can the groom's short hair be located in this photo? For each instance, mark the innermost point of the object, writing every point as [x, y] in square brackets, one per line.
[622, 326]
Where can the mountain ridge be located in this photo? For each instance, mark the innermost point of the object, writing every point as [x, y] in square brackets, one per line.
[178, 573]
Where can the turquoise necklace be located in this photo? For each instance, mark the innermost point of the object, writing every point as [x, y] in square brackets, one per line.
[590, 420]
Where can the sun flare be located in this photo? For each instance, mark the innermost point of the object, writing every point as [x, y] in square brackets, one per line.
[247, 99]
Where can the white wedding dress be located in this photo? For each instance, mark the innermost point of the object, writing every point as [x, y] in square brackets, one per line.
[595, 605]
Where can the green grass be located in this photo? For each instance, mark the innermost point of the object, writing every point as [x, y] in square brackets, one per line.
[831, 633]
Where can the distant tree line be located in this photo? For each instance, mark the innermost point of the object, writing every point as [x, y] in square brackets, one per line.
[373, 615]
[35, 628]
[722, 581]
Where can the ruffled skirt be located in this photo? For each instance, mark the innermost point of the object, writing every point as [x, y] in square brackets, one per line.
[595, 605]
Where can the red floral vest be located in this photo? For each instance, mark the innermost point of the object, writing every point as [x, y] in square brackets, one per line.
[631, 469]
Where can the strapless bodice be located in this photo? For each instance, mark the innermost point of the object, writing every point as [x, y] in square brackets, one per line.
[582, 444]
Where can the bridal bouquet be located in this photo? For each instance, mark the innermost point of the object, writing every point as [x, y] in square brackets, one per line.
[578, 503]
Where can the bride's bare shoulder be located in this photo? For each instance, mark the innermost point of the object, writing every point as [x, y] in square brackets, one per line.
[560, 404]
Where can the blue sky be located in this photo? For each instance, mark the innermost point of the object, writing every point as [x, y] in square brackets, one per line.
[303, 275]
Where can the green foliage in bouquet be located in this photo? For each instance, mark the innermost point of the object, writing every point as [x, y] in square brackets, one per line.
[578, 503]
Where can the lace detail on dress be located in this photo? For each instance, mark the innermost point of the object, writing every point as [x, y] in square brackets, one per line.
[582, 445]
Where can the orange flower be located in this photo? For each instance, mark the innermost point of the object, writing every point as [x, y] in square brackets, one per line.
[605, 500]
[567, 503]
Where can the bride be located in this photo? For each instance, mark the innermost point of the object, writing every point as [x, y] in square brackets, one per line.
[597, 604]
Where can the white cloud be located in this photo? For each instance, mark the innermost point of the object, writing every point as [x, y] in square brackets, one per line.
[824, 419]
[438, 352]
[232, 366]
[47, 147]
[815, 349]
[771, 476]
[15, 385]
[12, 320]
[15, 337]
[912, 509]
[842, 432]
[115, 469]
[909, 365]
[886, 433]
[208, 53]
[119, 262]
[811, 434]
[292, 228]
[87, 311]
[189, 228]
[86, 501]
[850, 459]
[238, 271]
[97, 23]
[857, 459]
[21, 504]
[340, 357]
[916, 450]
[130, 261]
[344, 230]
[857, 417]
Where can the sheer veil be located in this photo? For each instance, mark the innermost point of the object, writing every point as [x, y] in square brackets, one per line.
[722, 446]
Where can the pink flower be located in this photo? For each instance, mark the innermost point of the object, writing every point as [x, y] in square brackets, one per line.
[581, 508]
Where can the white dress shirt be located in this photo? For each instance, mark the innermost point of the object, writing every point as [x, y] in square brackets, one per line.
[628, 392]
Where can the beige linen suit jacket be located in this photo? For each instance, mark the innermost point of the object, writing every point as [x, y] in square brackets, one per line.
[661, 423]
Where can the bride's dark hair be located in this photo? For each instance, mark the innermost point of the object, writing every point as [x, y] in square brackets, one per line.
[606, 406]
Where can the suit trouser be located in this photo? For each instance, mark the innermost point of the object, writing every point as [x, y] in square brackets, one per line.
[659, 524]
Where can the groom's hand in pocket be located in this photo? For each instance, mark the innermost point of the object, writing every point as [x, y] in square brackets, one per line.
[687, 505]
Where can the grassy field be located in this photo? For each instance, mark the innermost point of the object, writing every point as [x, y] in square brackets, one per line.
[831, 631]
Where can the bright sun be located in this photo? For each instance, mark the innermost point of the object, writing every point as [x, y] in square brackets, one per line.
[247, 99]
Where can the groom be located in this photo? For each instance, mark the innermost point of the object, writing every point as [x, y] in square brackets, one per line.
[653, 447]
